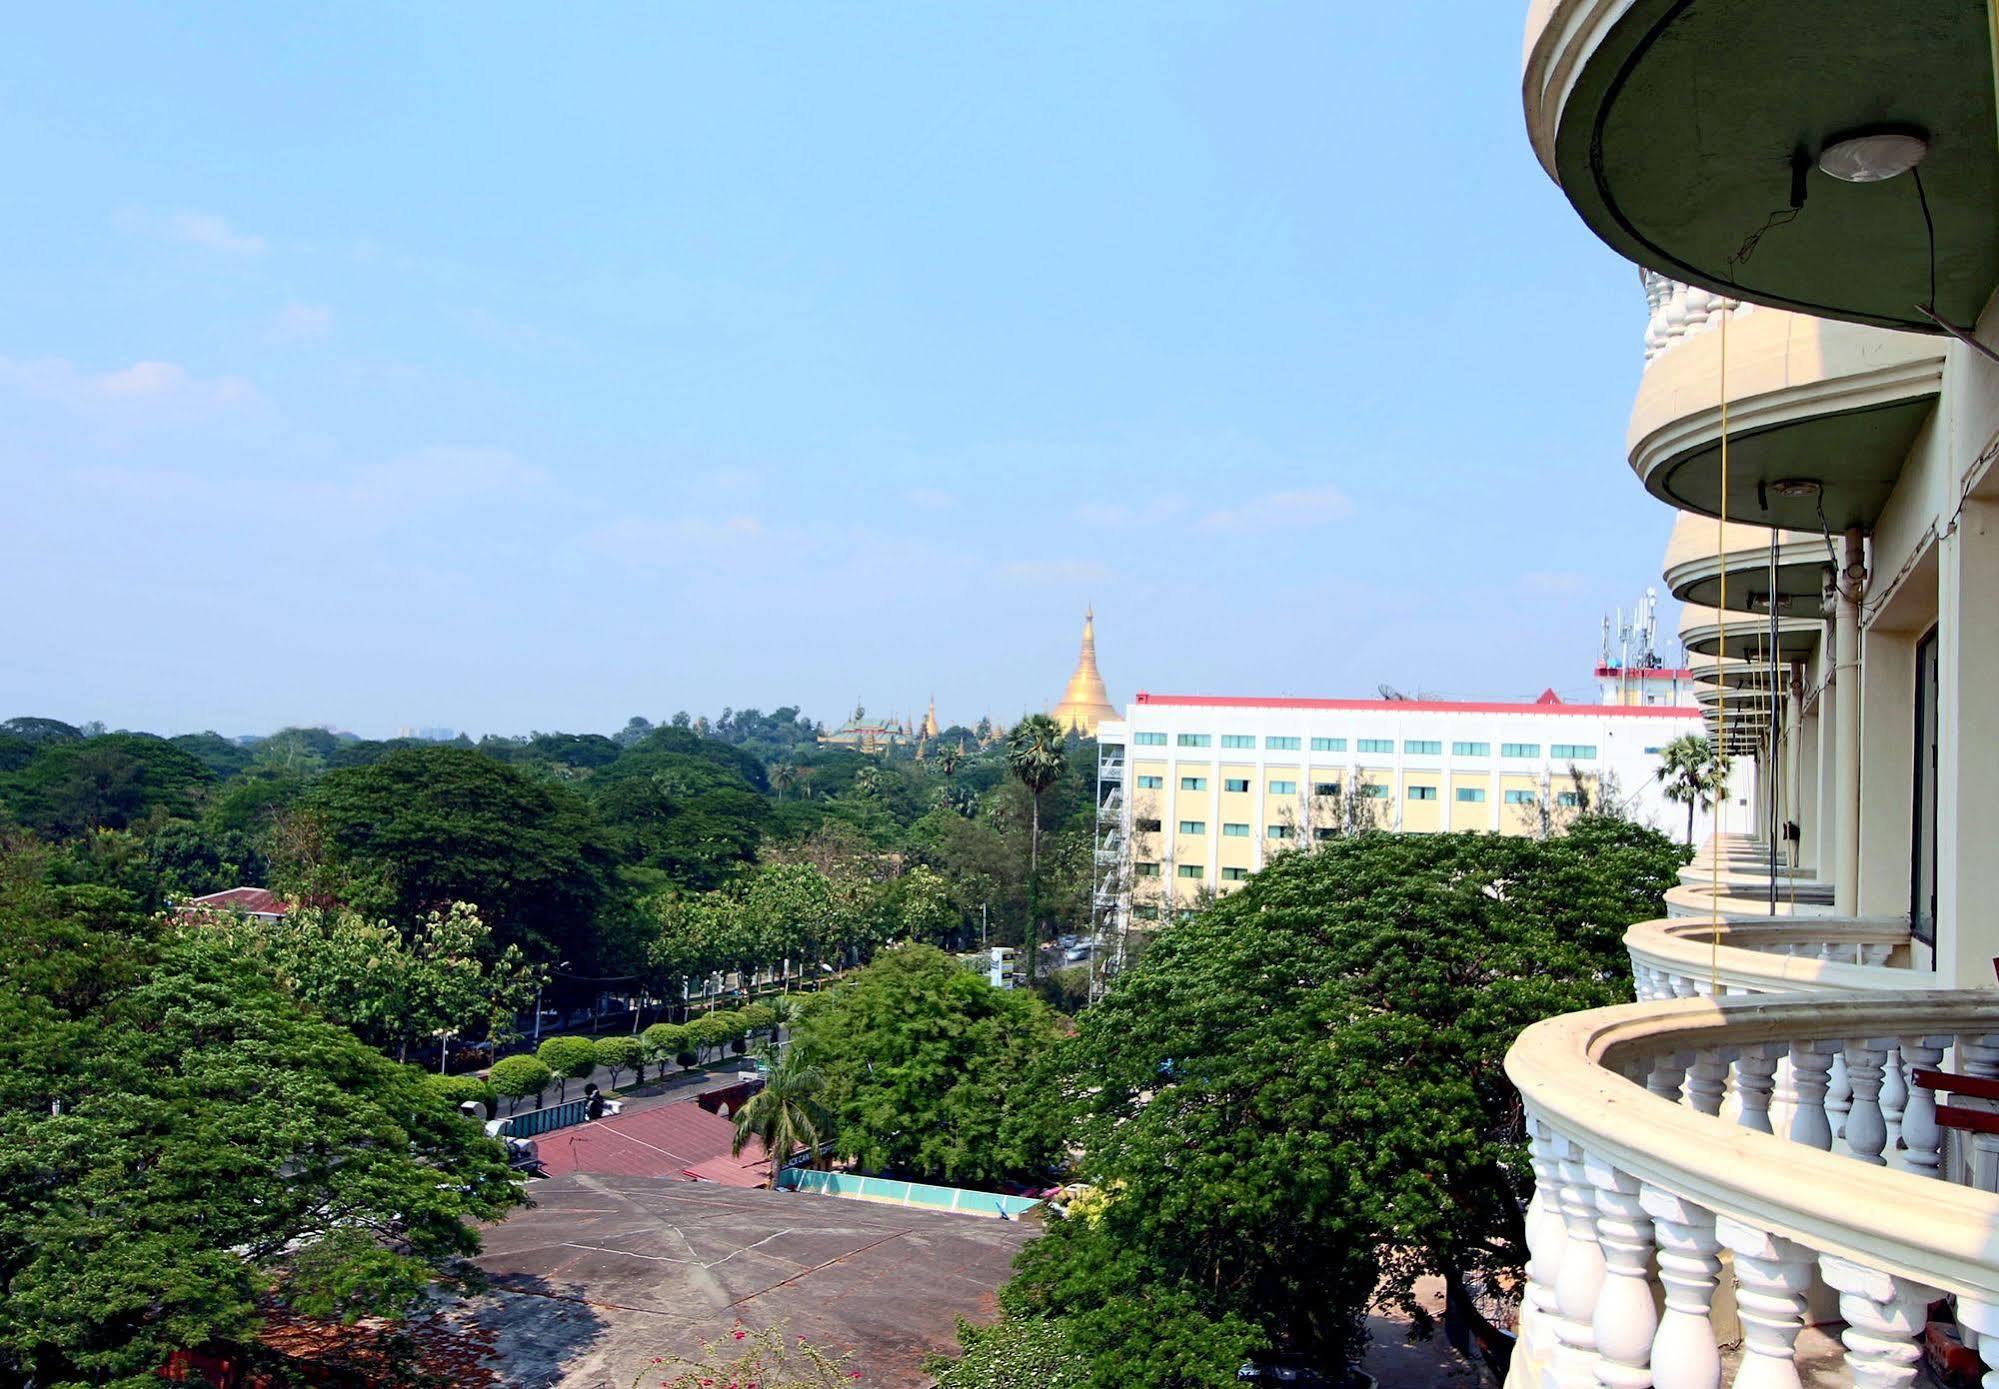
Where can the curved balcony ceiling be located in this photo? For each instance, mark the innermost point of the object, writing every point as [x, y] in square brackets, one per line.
[1737, 675]
[1740, 702]
[1693, 573]
[1837, 404]
[1674, 127]
[1748, 635]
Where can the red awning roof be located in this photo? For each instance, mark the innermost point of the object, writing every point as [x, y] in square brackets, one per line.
[682, 1141]
[243, 899]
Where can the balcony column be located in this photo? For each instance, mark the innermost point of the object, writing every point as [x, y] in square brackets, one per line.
[1968, 722]
[1793, 748]
[1921, 1140]
[1625, 1319]
[1894, 1091]
[1684, 1352]
[1838, 1090]
[1846, 680]
[1884, 1316]
[1773, 1276]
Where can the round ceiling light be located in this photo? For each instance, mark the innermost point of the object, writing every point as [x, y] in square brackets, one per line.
[1796, 487]
[1870, 156]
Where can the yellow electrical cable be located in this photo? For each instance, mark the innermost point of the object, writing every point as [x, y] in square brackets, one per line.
[1721, 659]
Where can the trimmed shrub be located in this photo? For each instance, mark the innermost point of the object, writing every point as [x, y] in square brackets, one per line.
[456, 1090]
[567, 1059]
[617, 1054]
[664, 1041]
[517, 1077]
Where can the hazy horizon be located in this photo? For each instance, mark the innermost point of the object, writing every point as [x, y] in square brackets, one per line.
[465, 368]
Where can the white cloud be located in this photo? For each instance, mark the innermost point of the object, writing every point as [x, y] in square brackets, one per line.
[1055, 571]
[645, 542]
[1553, 581]
[930, 499]
[205, 230]
[298, 322]
[1120, 516]
[145, 397]
[1302, 507]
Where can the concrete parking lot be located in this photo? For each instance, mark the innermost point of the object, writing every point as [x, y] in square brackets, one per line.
[607, 1272]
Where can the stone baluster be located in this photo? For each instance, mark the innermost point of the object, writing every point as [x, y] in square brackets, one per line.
[1810, 1065]
[1755, 1081]
[1884, 1315]
[1772, 1276]
[1625, 1319]
[1580, 1279]
[1982, 1320]
[1673, 317]
[1921, 1139]
[1838, 1091]
[1547, 1236]
[1657, 287]
[1669, 1069]
[1684, 1352]
[1707, 1082]
[1894, 1090]
[1866, 1129]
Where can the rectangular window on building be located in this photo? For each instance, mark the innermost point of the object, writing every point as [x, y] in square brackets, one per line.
[1325, 788]
[1376, 745]
[1568, 799]
[1234, 875]
[1520, 798]
[1235, 783]
[1279, 831]
[1145, 870]
[1234, 831]
[1422, 747]
[1151, 783]
[1193, 827]
[1325, 832]
[1238, 740]
[1144, 826]
[1471, 795]
[1654, 752]
[1146, 912]
[1194, 740]
[1283, 788]
[1281, 744]
[1374, 791]
[1422, 793]
[1149, 740]
[1193, 870]
[1329, 745]
[1471, 749]
[1193, 783]
[1573, 752]
[1519, 749]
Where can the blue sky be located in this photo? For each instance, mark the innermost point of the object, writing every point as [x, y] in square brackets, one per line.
[506, 368]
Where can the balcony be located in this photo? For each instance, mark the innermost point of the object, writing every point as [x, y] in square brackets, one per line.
[1811, 401]
[1746, 636]
[1700, 556]
[1705, 1145]
[1689, 138]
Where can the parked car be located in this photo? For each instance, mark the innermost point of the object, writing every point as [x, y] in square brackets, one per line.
[1075, 953]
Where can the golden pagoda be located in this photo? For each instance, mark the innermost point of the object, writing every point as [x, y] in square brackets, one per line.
[930, 719]
[1085, 703]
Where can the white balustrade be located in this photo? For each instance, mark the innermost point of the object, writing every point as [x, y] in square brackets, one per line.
[1675, 311]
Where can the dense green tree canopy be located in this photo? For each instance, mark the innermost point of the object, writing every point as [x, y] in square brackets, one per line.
[931, 1073]
[425, 827]
[71, 785]
[175, 1130]
[1301, 1088]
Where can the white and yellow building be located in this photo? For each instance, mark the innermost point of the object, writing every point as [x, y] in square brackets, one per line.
[1747, 1168]
[1207, 788]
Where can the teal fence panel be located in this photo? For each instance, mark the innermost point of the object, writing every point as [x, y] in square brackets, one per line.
[558, 1116]
[918, 1194]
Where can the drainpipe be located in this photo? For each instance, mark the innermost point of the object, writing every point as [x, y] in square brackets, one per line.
[1846, 675]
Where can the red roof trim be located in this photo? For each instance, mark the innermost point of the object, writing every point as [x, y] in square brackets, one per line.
[1414, 706]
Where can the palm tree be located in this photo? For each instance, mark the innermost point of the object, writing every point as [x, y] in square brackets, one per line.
[1692, 775]
[783, 777]
[1036, 756]
[785, 1115]
[947, 760]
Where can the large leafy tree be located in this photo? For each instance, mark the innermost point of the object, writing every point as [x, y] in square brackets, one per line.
[1300, 1091]
[687, 814]
[425, 827]
[180, 1139]
[932, 1073]
[110, 782]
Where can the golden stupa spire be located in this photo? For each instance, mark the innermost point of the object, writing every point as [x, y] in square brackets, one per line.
[930, 719]
[1085, 703]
